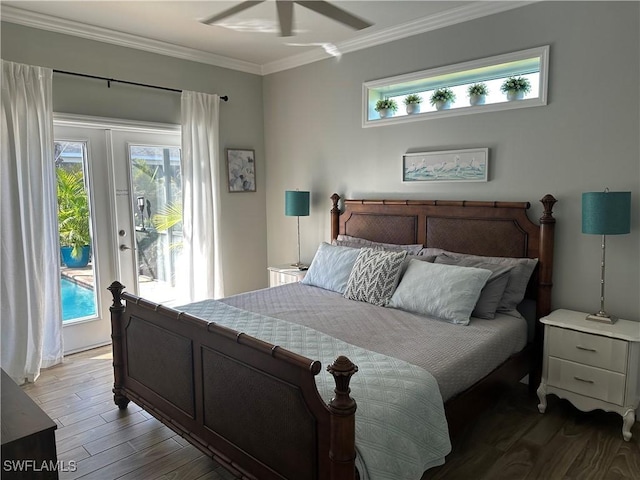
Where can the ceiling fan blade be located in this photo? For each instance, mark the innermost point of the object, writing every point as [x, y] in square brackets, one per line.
[231, 11]
[285, 16]
[335, 13]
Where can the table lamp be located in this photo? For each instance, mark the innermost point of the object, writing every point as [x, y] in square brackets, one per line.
[296, 204]
[605, 213]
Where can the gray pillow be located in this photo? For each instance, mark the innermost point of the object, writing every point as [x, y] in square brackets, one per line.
[447, 292]
[374, 276]
[430, 252]
[421, 258]
[493, 290]
[331, 267]
[518, 278]
[357, 242]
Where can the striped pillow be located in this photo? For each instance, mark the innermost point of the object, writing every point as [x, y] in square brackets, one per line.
[374, 276]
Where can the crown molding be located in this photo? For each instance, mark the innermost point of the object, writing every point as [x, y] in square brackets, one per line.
[58, 25]
[398, 32]
[459, 15]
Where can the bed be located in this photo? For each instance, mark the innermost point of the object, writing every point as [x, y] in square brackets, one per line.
[268, 412]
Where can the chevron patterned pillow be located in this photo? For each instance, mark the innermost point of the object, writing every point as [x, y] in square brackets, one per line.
[374, 276]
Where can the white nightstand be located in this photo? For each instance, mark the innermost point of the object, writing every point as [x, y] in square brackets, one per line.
[283, 274]
[591, 364]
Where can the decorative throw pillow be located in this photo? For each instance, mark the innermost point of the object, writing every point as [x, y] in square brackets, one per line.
[374, 276]
[493, 290]
[446, 292]
[331, 267]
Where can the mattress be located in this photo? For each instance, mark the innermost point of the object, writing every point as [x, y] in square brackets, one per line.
[456, 355]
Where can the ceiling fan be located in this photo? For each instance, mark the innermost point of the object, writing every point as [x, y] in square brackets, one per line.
[285, 14]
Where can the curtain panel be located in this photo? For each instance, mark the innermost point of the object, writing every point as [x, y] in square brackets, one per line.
[201, 261]
[29, 253]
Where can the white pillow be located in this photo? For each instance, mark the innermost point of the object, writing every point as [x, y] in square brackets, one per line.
[446, 292]
[331, 267]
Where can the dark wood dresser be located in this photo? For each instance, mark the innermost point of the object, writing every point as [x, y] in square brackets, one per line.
[28, 436]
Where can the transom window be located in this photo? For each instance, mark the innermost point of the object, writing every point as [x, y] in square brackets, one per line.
[529, 67]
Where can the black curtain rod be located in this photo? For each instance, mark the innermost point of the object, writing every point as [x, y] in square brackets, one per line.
[109, 80]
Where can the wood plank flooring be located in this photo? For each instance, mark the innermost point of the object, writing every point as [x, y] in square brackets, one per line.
[107, 443]
[512, 441]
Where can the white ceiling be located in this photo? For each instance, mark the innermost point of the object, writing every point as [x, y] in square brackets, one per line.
[248, 41]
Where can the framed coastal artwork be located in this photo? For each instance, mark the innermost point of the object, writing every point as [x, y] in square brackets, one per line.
[241, 170]
[469, 165]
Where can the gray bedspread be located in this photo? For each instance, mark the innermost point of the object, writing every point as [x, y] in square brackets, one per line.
[401, 429]
[456, 355]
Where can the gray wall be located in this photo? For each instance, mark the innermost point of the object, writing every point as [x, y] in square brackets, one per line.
[241, 120]
[585, 139]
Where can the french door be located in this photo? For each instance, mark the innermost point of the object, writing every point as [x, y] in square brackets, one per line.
[132, 186]
[148, 206]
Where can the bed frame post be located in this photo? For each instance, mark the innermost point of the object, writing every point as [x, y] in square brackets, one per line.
[545, 280]
[342, 451]
[117, 309]
[545, 284]
[335, 216]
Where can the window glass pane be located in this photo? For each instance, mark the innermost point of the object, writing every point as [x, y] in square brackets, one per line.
[74, 224]
[157, 212]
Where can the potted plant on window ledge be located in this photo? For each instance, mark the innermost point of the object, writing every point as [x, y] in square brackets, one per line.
[386, 107]
[477, 94]
[73, 218]
[442, 98]
[515, 88]
[412, 103]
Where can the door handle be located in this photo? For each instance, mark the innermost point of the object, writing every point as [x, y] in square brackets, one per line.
[123, 247]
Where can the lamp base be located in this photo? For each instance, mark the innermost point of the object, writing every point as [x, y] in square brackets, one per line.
[300, 266]
[602, 317]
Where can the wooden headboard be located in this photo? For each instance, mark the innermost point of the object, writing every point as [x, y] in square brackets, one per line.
[498, 229]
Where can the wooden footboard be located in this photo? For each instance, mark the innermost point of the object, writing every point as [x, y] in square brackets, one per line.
[252, 406]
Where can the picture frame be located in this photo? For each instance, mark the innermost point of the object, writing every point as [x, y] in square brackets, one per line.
[468, 165]
[241, 169]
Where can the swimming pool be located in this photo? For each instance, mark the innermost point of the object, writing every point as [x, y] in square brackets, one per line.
[77, 301]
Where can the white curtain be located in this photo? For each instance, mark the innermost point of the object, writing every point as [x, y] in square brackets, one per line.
[201, 266]
[29, 258]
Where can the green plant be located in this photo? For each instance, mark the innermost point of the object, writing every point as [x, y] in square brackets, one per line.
[73, 210]
[478, 89]
[169, 216]
[386, 103]
[412, 99]
[442, 95]
[516, 84]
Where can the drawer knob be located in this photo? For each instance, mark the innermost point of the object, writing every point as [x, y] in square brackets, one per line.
[586, 349]
[583, 380]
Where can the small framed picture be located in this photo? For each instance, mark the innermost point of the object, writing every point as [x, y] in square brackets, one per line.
[241, 170]
[470, 165]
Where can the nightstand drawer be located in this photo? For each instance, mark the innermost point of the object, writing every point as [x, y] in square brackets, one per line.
[594, 350]
[590, 381]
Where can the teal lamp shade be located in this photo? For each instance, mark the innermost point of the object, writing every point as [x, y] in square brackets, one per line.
[606, 213]
[296, 203]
